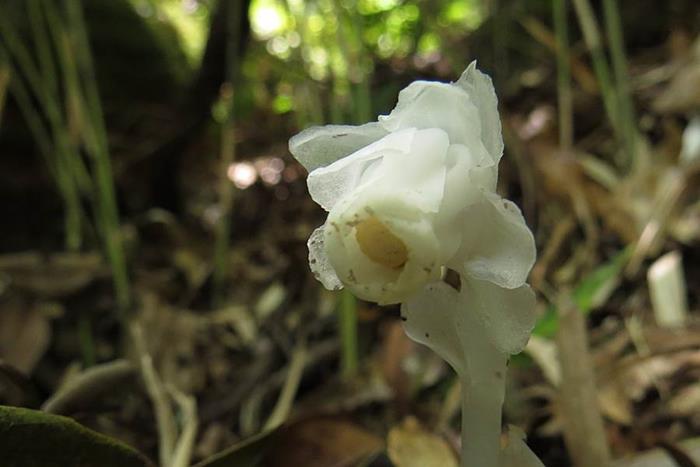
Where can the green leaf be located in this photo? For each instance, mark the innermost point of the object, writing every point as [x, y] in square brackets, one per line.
[591, 292]
[248, 453]
[30, 438]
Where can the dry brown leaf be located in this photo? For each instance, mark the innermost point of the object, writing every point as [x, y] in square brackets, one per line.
[25, 334]
[410, 445]
[646, 373]
[323, 442]
[347, 395]
[396, 347]
[615, 404]
[628, 381]
[683, 92]
[686, 402]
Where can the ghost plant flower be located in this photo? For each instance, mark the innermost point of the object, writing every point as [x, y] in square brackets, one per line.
[411, 200]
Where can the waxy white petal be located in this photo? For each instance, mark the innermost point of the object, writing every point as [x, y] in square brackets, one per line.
[318, 261]
[436, 318]
[421, 169]
[497, 245]
[507, 315]
[328, 184]
[447, 320]
[482, 93]
[322, 145]
[427, 104]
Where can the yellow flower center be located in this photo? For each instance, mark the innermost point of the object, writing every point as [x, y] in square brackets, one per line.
[380, 244]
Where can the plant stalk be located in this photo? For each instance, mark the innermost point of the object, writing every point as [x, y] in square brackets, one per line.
[227, 150]
[584, 430]
[483, 392]
[96, 143]
[591, 35]
[613, 26]
[347, 322]
[565, 100]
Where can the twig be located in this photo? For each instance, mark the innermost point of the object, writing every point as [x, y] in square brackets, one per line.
[185, 442]
[671, 188]
[289, 390]
[583, 429]
[580, 72]
[167, 428]
[89, 385]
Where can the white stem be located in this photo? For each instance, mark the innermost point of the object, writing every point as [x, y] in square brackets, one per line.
[483, 391]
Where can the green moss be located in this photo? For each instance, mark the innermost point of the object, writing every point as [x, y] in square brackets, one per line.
[30, 438]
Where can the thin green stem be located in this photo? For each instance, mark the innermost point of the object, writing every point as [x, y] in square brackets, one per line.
[4, 86]
[54, 162]
[234, 10]
[223, 226]
[354, 53]
[72, 93]
[47, 64]
[564, 96]
[87, 342]
[45, 93]
[347, 323]
[95, 135]
[591, 35]
[30, 114]
[613, 26]
[43, 25]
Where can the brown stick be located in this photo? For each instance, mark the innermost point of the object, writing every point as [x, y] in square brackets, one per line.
[583, 424]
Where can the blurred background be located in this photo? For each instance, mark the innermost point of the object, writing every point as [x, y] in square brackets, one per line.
[154, 281]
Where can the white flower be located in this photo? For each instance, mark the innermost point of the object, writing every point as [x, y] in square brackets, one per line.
[413, 195]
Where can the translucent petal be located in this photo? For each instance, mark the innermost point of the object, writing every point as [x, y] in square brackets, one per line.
[423, 169]
[464, 181]
[318, 261]
[507, 315]
[437, 318]
[425, 104]
[483, 95]
[450, 321]
[463, 187]
[322, 145]
[328, 184]
[497, 245]
[474, 329]
[428, 104]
